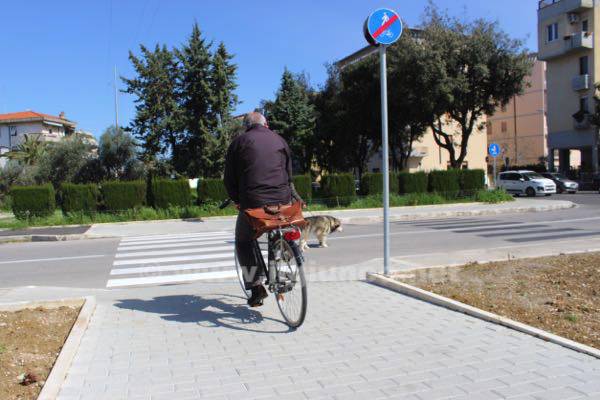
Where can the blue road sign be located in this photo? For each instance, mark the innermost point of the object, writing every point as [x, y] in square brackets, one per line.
[383, 27]
[494, 149]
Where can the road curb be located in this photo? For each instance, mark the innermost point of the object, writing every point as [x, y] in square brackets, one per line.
[51, 238]
[454, 305]
[59, 371]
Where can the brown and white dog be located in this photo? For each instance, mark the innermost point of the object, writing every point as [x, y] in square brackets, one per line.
[320, 226]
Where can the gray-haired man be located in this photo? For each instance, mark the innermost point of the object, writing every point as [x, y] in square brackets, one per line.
[258, 172]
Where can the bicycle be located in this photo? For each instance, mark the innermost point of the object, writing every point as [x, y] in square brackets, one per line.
[282, 273]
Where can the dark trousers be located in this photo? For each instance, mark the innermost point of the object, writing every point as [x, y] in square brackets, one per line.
[247, 252]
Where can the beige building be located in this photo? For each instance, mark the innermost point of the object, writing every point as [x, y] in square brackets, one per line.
[520, 127]
[566, 41]
[428, 156]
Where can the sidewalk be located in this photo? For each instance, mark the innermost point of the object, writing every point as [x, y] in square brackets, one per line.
[359, 341]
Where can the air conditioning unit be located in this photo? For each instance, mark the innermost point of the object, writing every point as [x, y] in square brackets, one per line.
[573, 18]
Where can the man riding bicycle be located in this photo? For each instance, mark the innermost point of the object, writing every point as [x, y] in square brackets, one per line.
[258, 173]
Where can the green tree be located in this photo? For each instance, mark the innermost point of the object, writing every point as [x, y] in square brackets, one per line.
[29, 151]
[293, 116]
[156, 122]
[348, 125]
[116, 150]
[195, 95]
[63, 160]
[223, 83]
[481, 69]
[410, 111]
[224, 101]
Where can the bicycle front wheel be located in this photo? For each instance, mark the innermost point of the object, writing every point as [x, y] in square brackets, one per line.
[290, 289]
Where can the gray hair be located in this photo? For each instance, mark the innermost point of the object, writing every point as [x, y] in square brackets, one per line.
[254, 118]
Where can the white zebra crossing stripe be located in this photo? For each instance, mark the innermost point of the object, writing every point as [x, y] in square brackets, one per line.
[156, 260]
[177, 240]
[176, 251]
[175, 236]
[176, 267]
[173, 258]
[179, 243]
[164, 279]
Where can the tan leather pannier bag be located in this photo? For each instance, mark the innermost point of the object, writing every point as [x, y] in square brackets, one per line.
[269, 218]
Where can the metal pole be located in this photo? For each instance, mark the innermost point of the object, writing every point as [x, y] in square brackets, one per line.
[385, 161]
[116, 103]
[495, 173]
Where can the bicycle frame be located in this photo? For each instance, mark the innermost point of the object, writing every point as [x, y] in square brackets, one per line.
[269, 270]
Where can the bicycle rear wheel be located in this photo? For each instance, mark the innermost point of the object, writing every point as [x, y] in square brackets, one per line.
[290, 289]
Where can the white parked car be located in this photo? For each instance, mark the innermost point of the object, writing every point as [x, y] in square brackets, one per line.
[526, 182]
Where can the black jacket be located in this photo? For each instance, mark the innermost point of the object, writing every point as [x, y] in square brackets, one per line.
[258, 169]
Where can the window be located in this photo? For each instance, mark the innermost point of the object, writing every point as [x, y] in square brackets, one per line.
[585, 25]
[12, 130]
[489, 128]
[583, 65]
[583, 105]
[503, 109]
[503, 126]
[552, 32]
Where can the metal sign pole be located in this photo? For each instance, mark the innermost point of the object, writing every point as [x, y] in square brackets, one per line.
[385, 160]
[495, 175]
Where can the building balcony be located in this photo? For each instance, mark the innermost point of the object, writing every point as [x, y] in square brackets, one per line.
[583, 121]
[572, 43]
[551, 8]
[579, 41]
[580, 82]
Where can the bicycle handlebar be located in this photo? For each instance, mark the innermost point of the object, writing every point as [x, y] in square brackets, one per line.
[225, 203]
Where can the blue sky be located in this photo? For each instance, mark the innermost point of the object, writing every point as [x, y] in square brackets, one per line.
[59, 55]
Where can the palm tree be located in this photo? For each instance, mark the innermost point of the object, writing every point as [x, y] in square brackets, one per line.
[29, 151]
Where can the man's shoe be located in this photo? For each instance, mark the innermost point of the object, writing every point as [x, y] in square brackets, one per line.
[259, 293]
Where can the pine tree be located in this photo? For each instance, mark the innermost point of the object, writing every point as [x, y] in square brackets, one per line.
[223, 102]
[293, 116]
[156, 101]
[195, 95]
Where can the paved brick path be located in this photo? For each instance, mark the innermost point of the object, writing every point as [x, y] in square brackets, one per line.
[359, 342]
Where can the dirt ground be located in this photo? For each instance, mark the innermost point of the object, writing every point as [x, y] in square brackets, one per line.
[30, 341]
[559, 294]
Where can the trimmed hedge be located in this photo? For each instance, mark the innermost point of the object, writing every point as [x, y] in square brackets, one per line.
[303, 185]
[417, 182]
[33, 201]
[79, 198]
[168, 193]
[211, 190]
[123, 195]
[446, 183]
[472, 180]
[372, 183]
[338, 189]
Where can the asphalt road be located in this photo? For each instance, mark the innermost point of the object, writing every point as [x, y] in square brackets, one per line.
[170, 259]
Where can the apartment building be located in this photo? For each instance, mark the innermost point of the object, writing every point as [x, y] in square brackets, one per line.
[520, 127]
[567, 43]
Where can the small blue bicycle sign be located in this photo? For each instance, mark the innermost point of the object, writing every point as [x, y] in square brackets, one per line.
[494, 149]
[383, 27]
